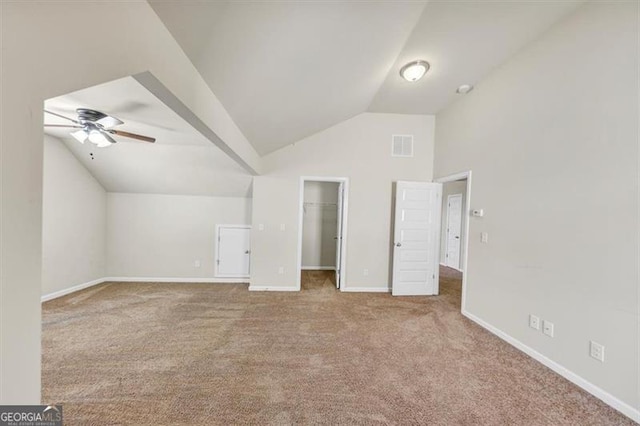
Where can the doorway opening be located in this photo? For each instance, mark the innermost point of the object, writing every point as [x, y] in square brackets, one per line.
[322, 233]
[456, 194]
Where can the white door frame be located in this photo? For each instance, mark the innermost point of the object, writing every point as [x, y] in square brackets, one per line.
[446, 240]
[215, 259]
[345, 209]
[466, 212]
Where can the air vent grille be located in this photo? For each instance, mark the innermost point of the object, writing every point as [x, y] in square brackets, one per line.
[402, 146]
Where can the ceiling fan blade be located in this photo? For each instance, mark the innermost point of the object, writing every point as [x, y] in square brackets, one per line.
[61, 116]
[69, 126]
[109, 138]
[109, 122]
[132, 136]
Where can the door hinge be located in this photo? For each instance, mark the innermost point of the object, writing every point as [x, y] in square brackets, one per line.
[218, 261]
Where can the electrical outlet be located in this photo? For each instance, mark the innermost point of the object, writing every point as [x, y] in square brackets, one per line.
[547, 328]
[365, 272]
[534, 322]
[596, 350]
[196, 263]
[281, 270]
[484, 237]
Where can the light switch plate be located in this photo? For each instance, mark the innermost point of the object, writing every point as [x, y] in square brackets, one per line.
[547, 328]
[484, 237]
[261, 227]
[282, 227]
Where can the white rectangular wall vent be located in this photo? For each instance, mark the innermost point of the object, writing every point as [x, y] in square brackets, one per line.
[402, 146]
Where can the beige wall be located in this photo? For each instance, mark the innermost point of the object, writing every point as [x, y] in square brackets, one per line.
[162, 236]
[73, 221]
[552, 139]
[43, 56]
[319, 224]
[359, 149]
[89, 234]
[272, 247]
[452, 188]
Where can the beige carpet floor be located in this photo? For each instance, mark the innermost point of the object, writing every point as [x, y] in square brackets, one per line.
[202, 354]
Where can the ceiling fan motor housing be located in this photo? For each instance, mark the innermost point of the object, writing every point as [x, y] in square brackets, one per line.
[91, 115]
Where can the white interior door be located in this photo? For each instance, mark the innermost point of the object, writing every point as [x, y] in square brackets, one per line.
[454, 230]
[339, 234]
[234, 251]
[416, 238]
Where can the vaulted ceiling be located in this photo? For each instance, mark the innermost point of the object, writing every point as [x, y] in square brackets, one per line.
[286, 70]
[181, 161]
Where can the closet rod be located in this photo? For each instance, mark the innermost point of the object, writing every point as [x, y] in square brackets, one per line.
[319, 204]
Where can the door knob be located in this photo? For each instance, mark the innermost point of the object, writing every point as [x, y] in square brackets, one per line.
[398, 244]
[247, 252]
[457, 238]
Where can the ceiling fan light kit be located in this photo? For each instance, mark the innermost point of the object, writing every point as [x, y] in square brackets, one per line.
[80, 135]
[97, 127]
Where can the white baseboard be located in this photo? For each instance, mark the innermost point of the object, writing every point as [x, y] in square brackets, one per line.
[318, 268]
[272, 288]
[79, 287]
[178, 280]
[69, 290]
[594, 390]
[366, 290]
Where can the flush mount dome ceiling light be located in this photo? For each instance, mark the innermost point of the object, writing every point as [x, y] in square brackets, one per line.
[413, 71]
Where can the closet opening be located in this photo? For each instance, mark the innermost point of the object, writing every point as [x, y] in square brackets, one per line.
[322, 233]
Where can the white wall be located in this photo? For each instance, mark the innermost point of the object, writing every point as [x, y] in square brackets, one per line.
[319, 225]
[73, 221]
[37, 33]
[89, 234]
[271, 247]
[552, 139]
[359, 149]
[161, 236]
[452, 188]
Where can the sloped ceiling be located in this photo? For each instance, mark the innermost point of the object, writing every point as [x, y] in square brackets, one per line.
[180, 162]
[286, 70]
[463, 42]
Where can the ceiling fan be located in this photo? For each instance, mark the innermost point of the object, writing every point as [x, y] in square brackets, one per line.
[97, 127]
